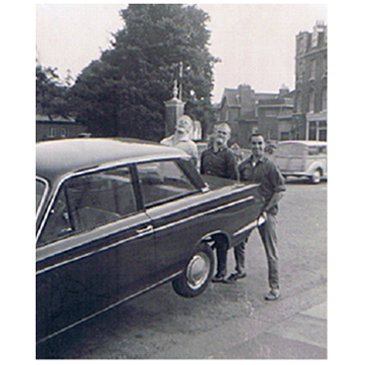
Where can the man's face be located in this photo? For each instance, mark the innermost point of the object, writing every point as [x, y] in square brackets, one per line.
[221, 135]
[257, 146]
[183, 126]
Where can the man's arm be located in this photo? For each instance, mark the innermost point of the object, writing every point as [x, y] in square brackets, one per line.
[273, 201]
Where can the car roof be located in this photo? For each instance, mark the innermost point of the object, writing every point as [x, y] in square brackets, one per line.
[304, 142]
[60, 157]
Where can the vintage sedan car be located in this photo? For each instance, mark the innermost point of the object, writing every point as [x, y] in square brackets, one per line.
[118, 218]
[302, 159]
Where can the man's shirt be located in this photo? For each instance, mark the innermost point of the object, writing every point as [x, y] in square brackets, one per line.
[221, 163]
[185, 144]
[267, 174]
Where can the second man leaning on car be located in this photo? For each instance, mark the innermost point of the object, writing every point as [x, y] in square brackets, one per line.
[218, 160]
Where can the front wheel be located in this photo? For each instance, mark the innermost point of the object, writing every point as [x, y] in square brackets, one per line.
[197, 273]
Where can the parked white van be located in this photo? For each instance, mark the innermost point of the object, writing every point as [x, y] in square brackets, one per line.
[302, 158]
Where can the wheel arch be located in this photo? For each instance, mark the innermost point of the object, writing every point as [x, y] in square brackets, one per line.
[314, 167]
[213, 237]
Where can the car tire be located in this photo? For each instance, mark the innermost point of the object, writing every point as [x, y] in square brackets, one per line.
[316, 177]
[197, 273]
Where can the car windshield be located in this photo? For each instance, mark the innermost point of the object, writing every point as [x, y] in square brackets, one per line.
[40, 189]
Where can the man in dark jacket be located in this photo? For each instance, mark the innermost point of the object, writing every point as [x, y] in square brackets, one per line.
[219, 160]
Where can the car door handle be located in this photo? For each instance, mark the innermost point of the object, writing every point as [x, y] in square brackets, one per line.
[149, 228]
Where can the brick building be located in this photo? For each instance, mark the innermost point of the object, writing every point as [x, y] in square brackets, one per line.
[297, 114]
[239, 108]
[275, 116]
[310, 105]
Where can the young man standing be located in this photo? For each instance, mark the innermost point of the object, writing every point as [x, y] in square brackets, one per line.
[259, 169]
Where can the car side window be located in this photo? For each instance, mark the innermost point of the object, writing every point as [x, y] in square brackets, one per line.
[313, 151]
[89, 201]
[163, 181]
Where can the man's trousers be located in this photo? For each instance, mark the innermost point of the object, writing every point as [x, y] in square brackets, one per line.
[269, 239]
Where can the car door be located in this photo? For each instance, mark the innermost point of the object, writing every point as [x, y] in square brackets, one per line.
[96, 249]
[166, 190]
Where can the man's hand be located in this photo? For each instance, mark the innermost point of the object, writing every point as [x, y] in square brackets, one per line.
[264, 214]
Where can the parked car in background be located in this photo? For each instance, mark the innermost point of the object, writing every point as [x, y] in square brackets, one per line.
[118, 218]
[302, 158]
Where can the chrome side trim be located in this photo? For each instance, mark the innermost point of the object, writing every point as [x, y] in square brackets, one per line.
[249, 198]
[252, 225]
[108, 308]
[92, 252]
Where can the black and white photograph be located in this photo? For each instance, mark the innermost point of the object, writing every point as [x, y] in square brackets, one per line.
[182, 173]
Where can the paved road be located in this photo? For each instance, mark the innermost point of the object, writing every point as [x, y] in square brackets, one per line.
[227, 321]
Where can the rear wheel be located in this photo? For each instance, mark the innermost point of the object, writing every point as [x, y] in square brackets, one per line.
[197, 273]
[316, 177]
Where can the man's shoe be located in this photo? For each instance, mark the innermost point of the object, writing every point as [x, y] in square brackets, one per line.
[218, 278]
[273, 294]
[234, 277]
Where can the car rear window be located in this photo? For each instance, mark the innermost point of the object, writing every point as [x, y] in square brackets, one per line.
[163, 181]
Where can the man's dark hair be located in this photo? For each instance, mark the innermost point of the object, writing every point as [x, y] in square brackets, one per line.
[256, 135]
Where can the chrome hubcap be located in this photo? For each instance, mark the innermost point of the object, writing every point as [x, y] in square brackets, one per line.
[198, 270]
[316, 176]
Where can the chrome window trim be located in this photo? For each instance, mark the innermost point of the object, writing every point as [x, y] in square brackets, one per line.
[45, 193]
[105, 166]
[66, 177]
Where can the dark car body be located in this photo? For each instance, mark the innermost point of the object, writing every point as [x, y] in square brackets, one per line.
[117, 218]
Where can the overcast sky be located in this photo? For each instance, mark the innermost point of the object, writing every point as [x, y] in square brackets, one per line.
[256, 43]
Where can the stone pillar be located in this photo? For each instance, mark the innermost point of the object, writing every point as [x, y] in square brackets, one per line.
[174, 110]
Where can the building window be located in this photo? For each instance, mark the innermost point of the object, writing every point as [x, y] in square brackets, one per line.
[63, 132]
[318, 131]
[312, 131]
[322, 130]
[299, 102]
[313, 70]
[323, 135]
[324, 99]
[51, 132]
[311, 101]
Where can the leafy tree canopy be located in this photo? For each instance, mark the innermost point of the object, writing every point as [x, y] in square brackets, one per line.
[123, 93]
[52, 98]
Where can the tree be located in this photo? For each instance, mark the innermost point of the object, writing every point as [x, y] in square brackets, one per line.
[52, 98]
[123, 93]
